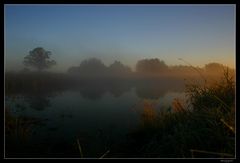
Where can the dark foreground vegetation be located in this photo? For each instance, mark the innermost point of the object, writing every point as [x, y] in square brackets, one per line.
[204, 129]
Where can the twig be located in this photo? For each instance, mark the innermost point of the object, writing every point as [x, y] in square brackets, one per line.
[80, 149]
[193, 68]
[104, 154]
[227, 125]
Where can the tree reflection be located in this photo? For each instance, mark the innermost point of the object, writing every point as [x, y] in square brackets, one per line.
[118, 91]
[96, 89]
[93, 93]
[38, 102]
[150, 92]
[117, 88]
[156, 89]
[149, 114]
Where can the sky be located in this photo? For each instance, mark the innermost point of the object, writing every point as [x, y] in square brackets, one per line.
[199, 34]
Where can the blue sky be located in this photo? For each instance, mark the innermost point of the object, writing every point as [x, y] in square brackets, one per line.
[197, 33]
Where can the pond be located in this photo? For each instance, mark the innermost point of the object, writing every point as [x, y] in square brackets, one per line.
[84, 121]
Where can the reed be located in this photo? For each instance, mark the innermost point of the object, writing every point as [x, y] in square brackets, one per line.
[205, 128]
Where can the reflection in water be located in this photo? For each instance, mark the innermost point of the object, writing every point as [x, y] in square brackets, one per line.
[117, 89]
[95, 90]
[149, 113]
[157, 89]
[37, 98]
[144, 89]
[97, 124]
[92, 92]
[38, 102]
[149, 91]
[18, 131]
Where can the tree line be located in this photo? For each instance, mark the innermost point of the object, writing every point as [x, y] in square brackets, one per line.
[39, 58]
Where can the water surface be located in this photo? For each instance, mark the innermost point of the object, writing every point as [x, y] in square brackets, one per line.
[97, 116]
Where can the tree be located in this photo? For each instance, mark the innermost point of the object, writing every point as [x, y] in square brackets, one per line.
[73, 69]
[92, 66]
[214, 67]
[151, 65]
[39, 58]
[118, 68]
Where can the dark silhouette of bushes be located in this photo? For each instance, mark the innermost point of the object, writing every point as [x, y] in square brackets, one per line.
[151, 66]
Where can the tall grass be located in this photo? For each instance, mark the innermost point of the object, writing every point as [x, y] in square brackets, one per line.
[217, 98]
[206, 128]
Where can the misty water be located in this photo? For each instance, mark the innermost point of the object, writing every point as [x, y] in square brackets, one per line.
[99, 116]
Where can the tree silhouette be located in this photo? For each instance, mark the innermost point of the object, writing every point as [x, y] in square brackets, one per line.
[73, 70]
[117, 68]
[39, 58]
[214, 67]
[92, 67]
[151, 65]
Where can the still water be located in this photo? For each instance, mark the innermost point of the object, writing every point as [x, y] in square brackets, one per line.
[92, 119]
